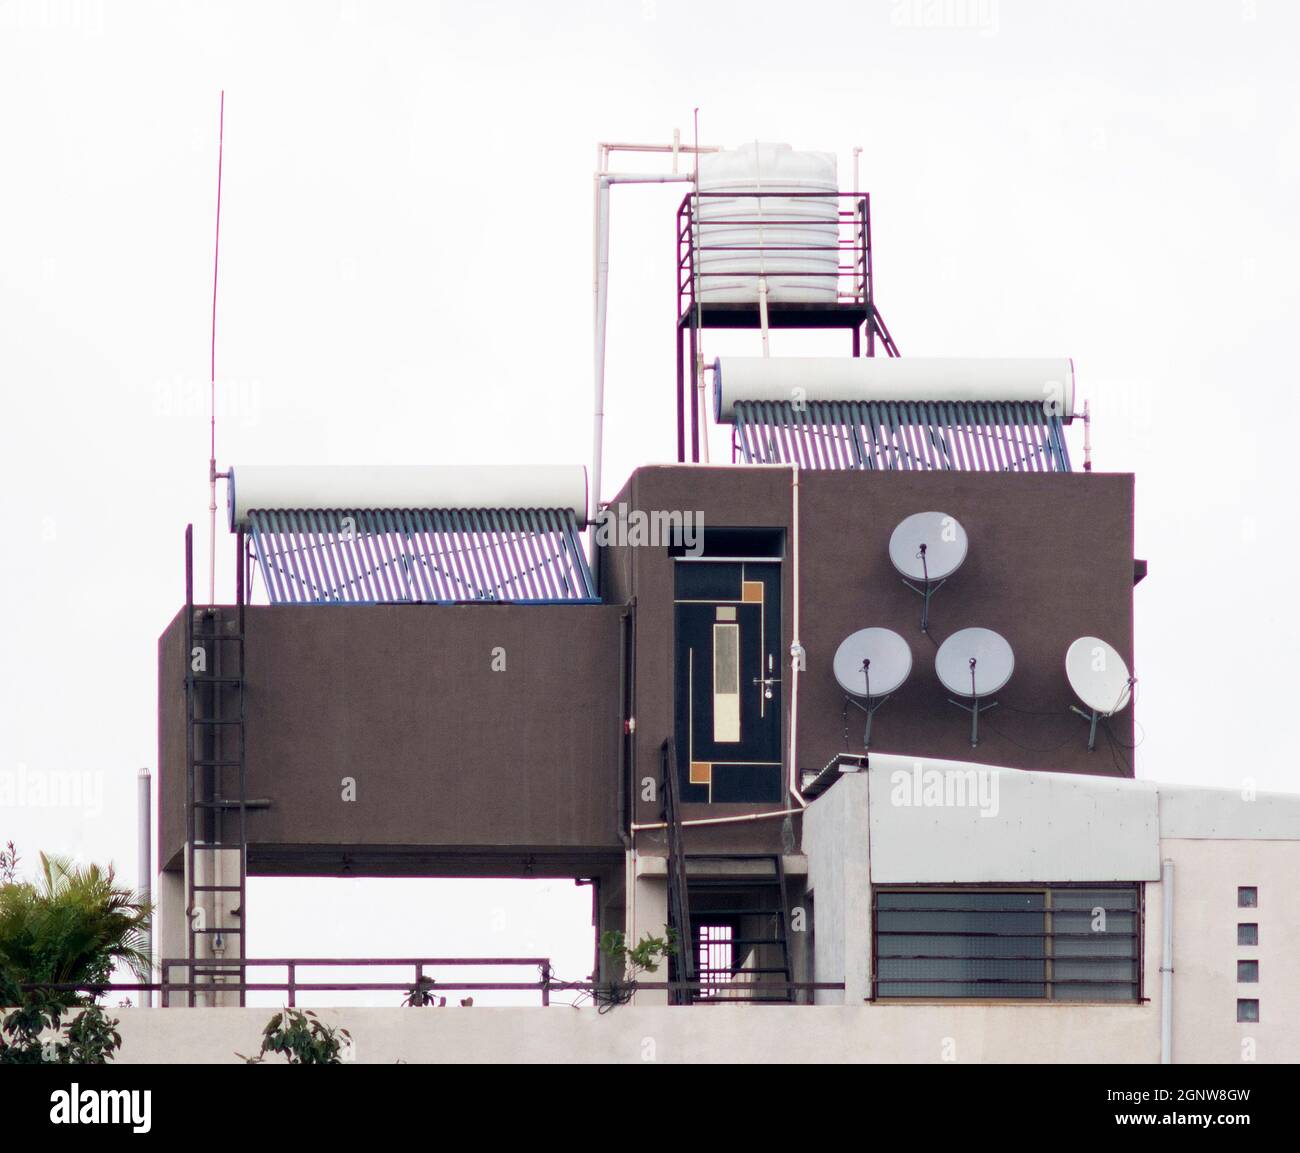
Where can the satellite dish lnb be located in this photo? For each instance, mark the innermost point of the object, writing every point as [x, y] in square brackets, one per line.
[974, 664]
[927, 548]
[1100, 679]
[869, 665]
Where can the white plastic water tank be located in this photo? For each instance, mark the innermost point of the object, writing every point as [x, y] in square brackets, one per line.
[792, 241]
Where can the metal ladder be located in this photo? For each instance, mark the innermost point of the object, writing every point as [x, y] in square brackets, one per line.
[214, 745]
[747, 896]
[682, 963]
[695, 902]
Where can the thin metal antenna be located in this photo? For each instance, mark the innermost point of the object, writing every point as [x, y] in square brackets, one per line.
[212, 387]
[698, 383]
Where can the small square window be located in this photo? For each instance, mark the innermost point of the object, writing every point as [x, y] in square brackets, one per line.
[1247, 1010]
[1247, 933]
[1248, 971]
[1247, 897]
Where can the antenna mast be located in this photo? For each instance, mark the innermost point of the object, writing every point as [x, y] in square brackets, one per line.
[212, 386]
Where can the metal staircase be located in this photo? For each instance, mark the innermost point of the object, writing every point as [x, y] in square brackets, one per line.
[216, 786]
[740, 923]
[729, 915]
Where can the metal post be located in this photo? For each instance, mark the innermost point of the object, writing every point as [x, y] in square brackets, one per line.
[681, 397]
[144, 858]
[695, 396]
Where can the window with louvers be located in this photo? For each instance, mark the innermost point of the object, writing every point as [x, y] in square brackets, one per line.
[1056, 942]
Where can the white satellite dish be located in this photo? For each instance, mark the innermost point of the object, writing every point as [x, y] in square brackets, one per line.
[974, 664]
[1101, 680]
[927, 547]
[871, 664]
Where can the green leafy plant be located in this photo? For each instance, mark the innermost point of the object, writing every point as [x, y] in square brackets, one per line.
[643, 957]
[8, 864]
[631, 961]
[301, 1038]
[90, 1038]
[71, 926]
[421, 994]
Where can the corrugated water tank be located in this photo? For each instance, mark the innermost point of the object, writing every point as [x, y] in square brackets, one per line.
[790, 240]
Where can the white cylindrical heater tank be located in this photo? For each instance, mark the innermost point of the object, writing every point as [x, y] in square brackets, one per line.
[356, 487]
[792, 241]
[1048, 381]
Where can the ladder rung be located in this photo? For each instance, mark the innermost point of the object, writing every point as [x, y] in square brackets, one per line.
[233, 929]
[699, 913]
[711, 994]
[215, 764]
[203, 679]
[210, 721]
[215, 888]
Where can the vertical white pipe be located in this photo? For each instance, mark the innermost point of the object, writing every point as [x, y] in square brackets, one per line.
[796, 646]
[144, 859]
[602, 301]
[1167, 963]
[600, 295]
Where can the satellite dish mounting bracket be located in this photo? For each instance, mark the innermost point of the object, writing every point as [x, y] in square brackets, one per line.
[1092, 716]
[873, 703]
[927, 591]
[974, 708]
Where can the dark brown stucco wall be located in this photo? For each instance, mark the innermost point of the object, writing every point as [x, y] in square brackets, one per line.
[445, 752]
[1051, 559]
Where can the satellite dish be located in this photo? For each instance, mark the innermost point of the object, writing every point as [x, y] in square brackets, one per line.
[1100, 679]
[871, 664]
[974, 664]
[927, 547]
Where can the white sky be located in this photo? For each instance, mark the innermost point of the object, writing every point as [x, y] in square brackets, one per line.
[406, 276]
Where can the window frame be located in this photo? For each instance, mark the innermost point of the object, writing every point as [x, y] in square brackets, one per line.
[1043, 887]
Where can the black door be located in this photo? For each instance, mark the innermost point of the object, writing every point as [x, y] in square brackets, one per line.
[728, 680]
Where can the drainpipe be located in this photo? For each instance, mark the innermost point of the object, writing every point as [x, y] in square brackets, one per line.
[627, 732]
[1167, 963]
[797, 657]
[144, 857]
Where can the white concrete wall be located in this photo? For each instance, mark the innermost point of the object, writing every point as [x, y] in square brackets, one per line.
[836, 841]
[853, 834]
[950, 822]
[648, 914]
[1207, 874]
[636, 1034]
